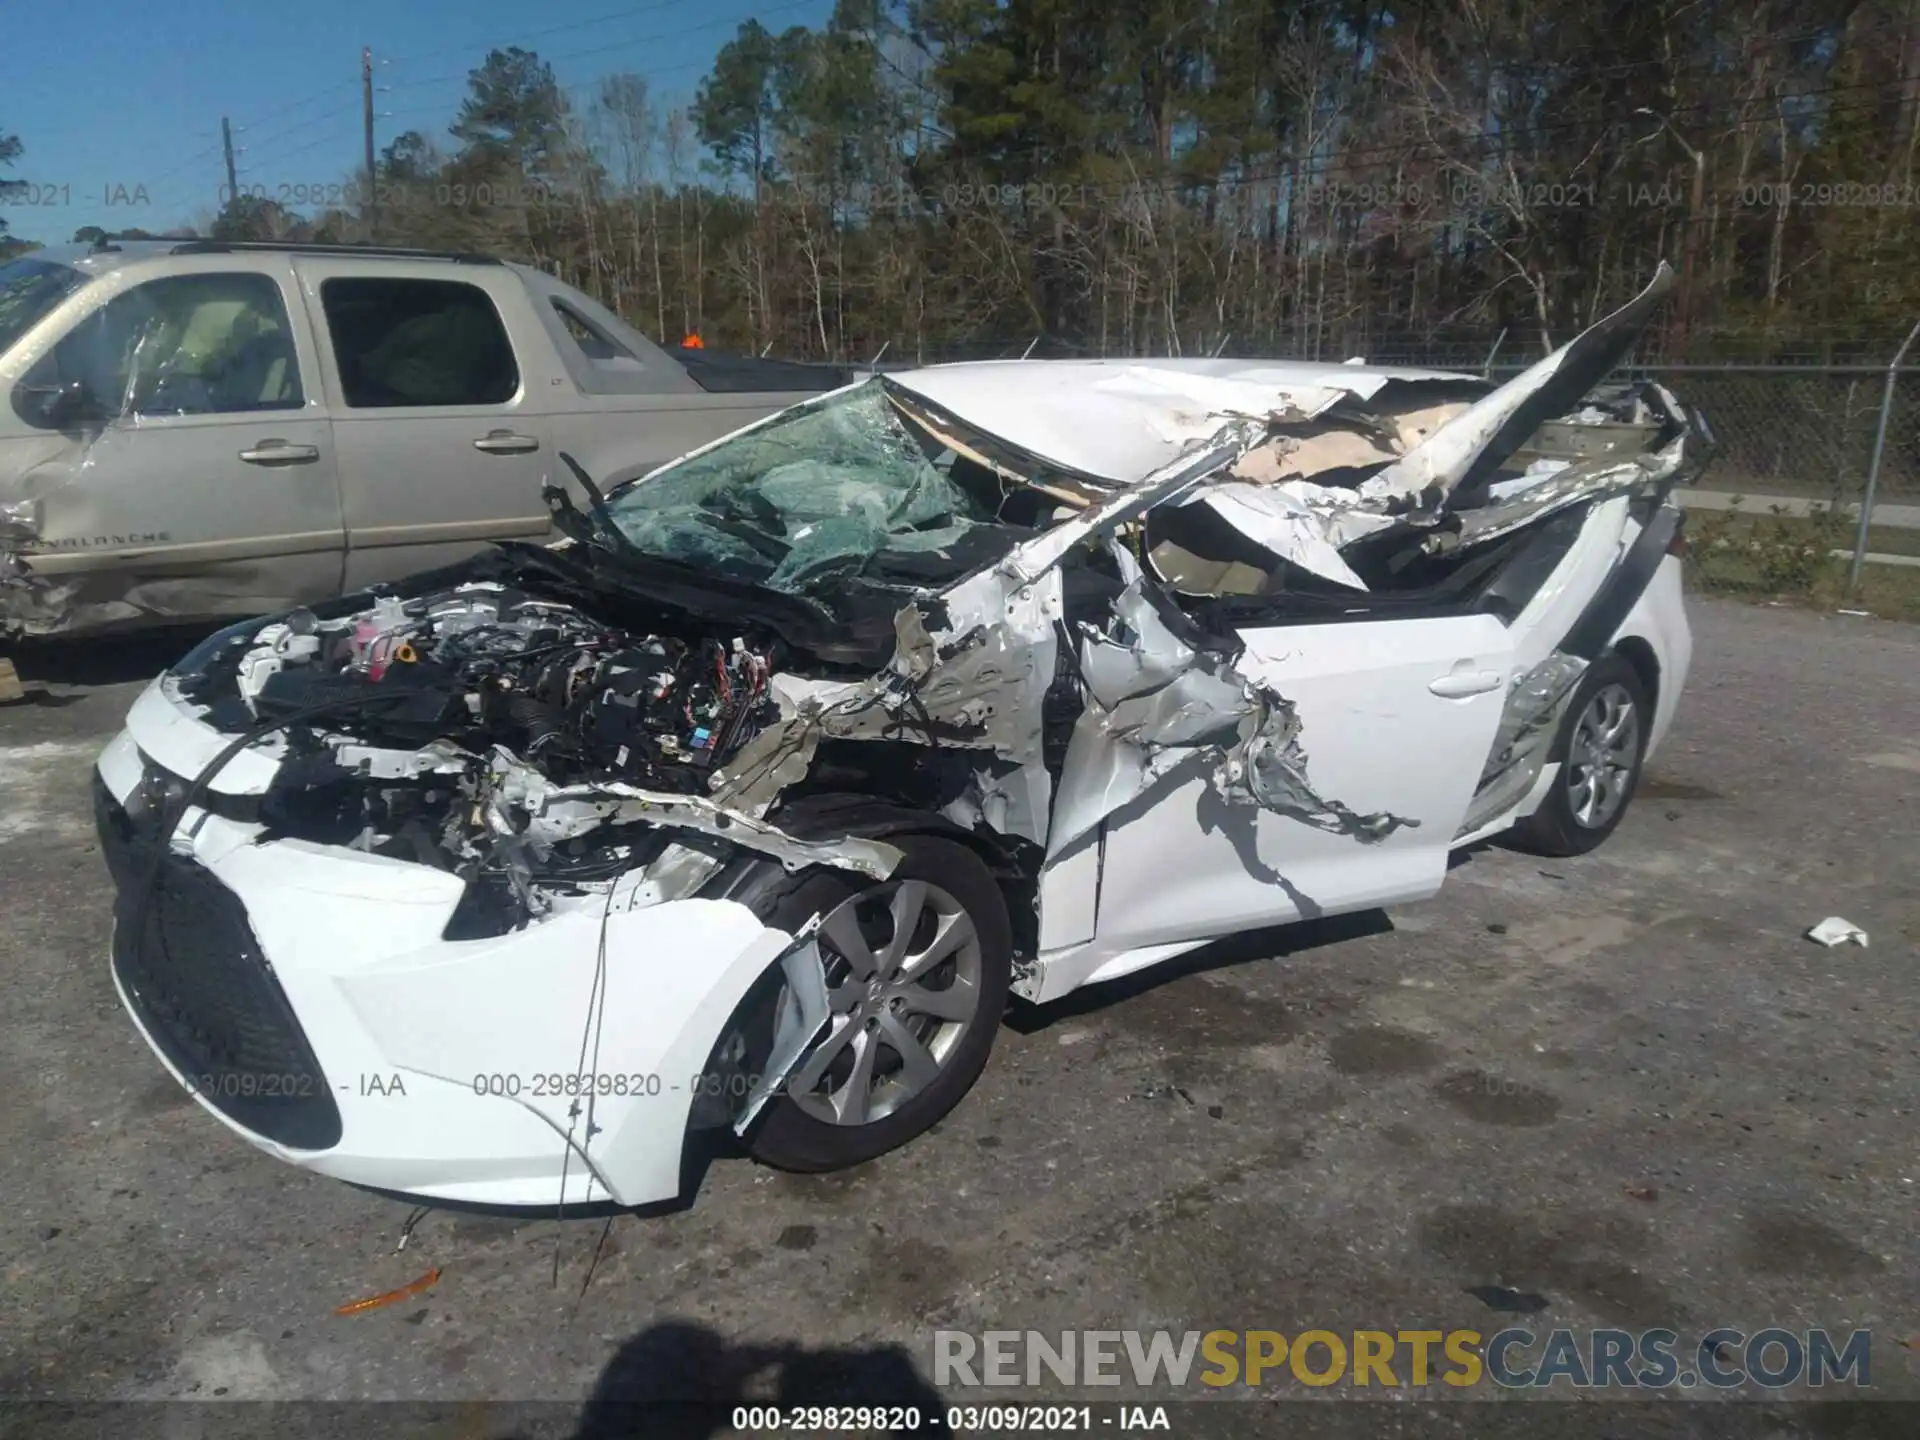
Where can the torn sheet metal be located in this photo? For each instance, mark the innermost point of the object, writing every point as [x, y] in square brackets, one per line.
[1269, 767]
[1496, 426]
[1155, 705]
[803, 1017]
[1012, 799]
[1118, 421]
[1286, 494]
[1182, 407]
[1555, 489]
[1195, 463]
[970, 668]
[557, 813]
[1298, 522]
[1529, 719]
[1549, 485]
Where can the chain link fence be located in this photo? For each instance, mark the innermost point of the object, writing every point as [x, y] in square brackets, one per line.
[1802, 431]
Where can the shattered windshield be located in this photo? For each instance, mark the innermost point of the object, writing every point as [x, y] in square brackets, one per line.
[843, 489]
[28, 290]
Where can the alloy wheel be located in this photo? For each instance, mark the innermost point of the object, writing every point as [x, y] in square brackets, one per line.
[1601, 756]
[903, 970]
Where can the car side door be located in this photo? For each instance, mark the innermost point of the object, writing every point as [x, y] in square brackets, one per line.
[189, 472]
[1395, 718]
[440, 388]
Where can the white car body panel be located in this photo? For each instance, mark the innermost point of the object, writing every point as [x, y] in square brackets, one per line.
[1658, 620]
[1161, 830]
[1377, 736]
[354, 941]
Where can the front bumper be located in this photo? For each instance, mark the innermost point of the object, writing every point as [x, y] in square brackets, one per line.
[304, 996]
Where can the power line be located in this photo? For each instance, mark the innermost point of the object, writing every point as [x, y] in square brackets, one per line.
[301, 104]
[250, 161]
[587, 90]
[498, 44]
[255, 141]
[655, 39]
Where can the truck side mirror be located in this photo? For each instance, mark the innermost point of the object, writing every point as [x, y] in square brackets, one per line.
[55, 407]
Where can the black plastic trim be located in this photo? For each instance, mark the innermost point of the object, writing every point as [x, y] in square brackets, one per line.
[1622, 589]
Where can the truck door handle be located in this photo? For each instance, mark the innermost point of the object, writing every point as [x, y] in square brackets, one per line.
[505, 442]
[1459, 683]
[279, 452]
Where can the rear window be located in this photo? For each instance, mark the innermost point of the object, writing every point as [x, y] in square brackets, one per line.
[594, 342]
[418, 342]
[29, 289]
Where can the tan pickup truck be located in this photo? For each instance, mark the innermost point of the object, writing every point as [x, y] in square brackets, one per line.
[200, 430]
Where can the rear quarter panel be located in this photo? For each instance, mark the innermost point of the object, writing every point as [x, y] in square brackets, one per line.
[1659, 620]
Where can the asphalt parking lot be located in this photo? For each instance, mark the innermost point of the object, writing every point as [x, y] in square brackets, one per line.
[1625, 1083]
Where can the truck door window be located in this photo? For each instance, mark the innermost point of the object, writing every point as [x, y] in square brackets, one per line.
[185, 345]
[418, 342]
[29, 289]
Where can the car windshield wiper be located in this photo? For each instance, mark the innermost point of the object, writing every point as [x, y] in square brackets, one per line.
[597, 526]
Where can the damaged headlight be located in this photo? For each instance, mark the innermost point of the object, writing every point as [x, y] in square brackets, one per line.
[159, 793]
[196, 662]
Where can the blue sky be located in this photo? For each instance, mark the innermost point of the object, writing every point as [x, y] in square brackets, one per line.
[122, 100]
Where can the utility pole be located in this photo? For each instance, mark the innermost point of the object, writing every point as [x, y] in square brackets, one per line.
[366, 119]
[233, 180]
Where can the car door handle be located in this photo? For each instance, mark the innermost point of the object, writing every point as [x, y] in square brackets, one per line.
[505, 442]
[1458, 684]
[279, 452]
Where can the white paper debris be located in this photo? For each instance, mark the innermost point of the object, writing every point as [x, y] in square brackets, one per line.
[1835, 931]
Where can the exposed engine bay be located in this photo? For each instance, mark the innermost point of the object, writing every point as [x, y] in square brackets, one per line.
[490, 665]
[427, 729]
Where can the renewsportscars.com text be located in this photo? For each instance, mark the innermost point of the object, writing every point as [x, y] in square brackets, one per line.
[1772, 1358]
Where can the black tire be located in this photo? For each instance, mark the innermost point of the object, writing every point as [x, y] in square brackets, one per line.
[1557, 828]
[785, 1135]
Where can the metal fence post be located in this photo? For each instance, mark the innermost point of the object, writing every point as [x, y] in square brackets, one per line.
[1873, 466]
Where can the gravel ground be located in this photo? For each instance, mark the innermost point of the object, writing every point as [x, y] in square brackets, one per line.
[1624, 1083]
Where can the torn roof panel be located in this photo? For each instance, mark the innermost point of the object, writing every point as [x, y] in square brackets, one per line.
[1500, 422]
[1120, 420]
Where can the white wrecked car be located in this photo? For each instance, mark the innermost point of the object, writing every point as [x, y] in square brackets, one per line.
[749, 806]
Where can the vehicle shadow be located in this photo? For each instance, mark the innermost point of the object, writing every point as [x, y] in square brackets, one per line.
[1268, 943]
[102, 660]
[680, 1381]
